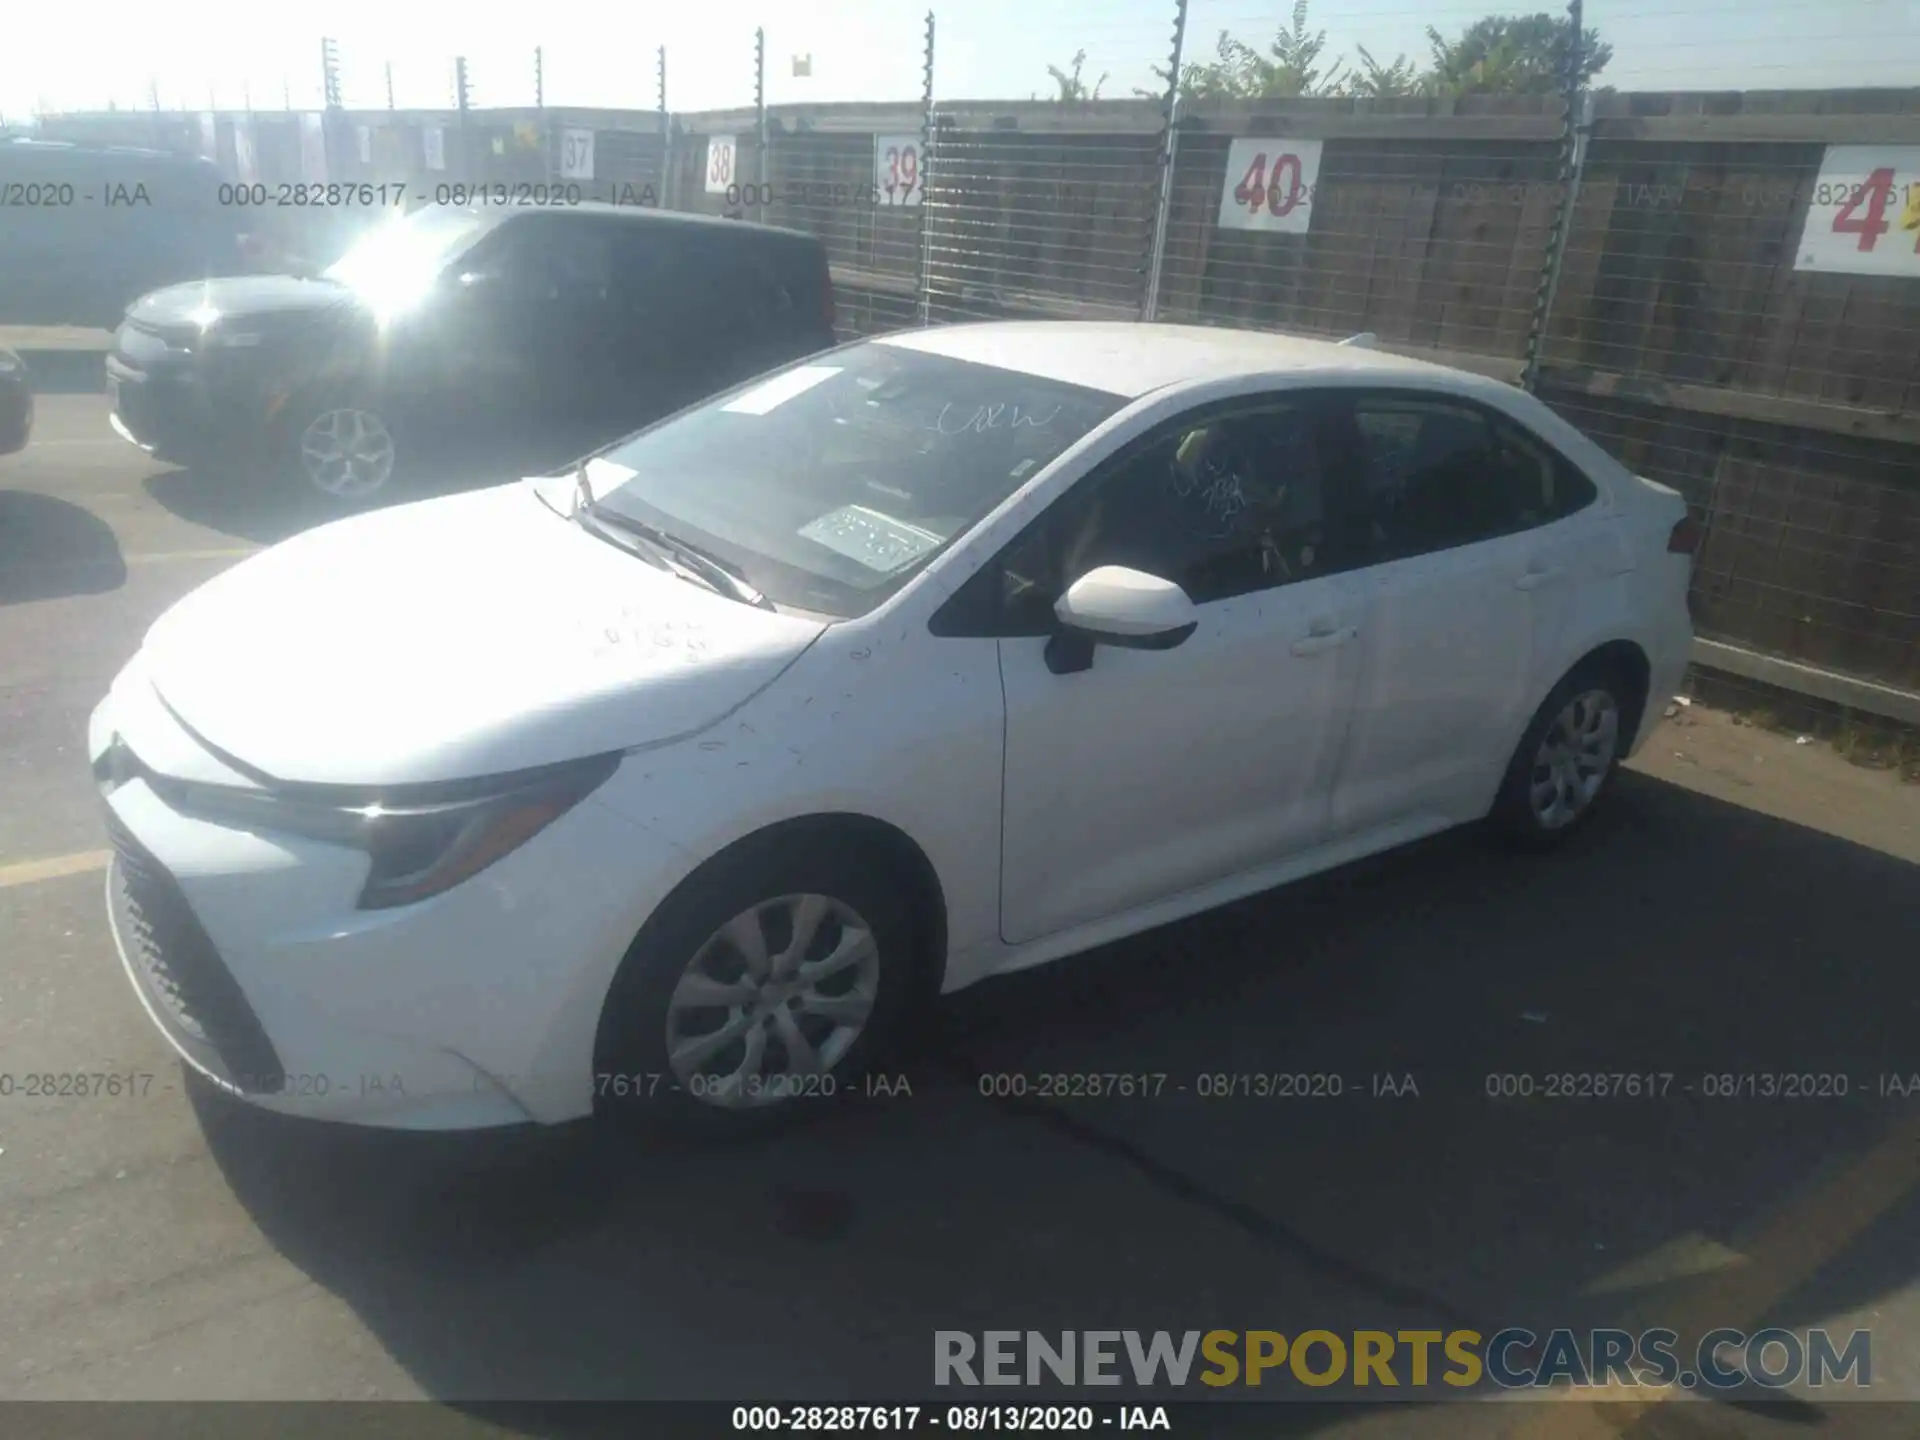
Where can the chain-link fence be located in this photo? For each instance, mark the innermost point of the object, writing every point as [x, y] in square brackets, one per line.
[1730, 305]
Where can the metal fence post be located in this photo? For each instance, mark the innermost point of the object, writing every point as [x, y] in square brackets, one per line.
[461, 94]
[1169, 153]
[544, 124]
[331, 96]
[666, 133]
[330, 73]
[929, 137]
[760, 124]
[1575, 126]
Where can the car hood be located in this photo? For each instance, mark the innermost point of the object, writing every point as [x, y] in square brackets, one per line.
[454, 638]
[241, 297]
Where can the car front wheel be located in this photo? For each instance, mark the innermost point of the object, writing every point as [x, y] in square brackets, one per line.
[758, 992]
[343, 448]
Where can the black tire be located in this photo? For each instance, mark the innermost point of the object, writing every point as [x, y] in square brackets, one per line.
[635, 1082]
[1514, 820]
[286, 435]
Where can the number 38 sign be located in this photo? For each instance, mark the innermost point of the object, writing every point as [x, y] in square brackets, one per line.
[1270, 185]
[1863, 216]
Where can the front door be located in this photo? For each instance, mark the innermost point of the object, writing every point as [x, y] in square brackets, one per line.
[1157, 772]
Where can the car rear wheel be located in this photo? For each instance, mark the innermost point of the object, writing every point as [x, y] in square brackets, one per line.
[1565, 761]
[763, 990]
[342, 447]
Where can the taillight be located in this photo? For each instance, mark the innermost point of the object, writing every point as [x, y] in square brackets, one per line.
[1685, 539]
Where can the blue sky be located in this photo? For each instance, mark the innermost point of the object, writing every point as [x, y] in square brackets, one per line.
[861, 49]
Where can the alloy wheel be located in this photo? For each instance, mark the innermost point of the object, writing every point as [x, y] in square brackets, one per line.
[772, 1001]
[1573, 759]
[347, 453]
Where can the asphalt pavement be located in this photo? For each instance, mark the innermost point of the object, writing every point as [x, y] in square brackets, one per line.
[1744, 905]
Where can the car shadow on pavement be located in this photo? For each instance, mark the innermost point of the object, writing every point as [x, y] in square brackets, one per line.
[264, 509]
[51, 548]
[235, 503]
[65, 372]
[1678, 935]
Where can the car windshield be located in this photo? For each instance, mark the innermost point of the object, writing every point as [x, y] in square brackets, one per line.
[829, 484]
[397, 261]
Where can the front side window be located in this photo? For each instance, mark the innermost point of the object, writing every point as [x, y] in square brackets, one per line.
[830, 484]
[398, 261]
[1222, 505]
[572, 262]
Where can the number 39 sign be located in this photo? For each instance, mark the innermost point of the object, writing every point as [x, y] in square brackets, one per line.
[1863, 217]
[1270, 185]
[896, 169]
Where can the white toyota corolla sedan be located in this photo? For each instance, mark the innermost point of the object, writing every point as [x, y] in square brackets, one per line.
[672, 785]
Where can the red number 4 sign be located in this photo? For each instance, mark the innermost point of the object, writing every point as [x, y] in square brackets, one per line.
[1863, 212]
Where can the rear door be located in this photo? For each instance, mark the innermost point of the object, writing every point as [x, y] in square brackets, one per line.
[1447, 650]
[802, 316]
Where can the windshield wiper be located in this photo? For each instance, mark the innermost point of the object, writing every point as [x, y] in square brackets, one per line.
[704, 566]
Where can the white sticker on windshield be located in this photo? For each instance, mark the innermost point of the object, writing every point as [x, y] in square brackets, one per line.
[867, 537]
[780, 389]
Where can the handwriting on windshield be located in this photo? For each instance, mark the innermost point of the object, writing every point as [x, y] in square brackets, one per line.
[959, 419]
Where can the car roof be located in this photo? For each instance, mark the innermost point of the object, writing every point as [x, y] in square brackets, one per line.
[1132, 358]
[650, 215]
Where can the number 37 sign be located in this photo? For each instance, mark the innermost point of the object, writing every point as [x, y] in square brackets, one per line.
[1270, 185]
[1863, 215]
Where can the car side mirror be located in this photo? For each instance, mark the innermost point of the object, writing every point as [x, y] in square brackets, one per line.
[1114, 605]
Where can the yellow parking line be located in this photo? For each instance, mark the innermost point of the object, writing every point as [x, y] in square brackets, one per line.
[1801, 1237]
[28, 872]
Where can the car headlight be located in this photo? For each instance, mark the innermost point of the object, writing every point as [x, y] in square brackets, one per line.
[422, 840]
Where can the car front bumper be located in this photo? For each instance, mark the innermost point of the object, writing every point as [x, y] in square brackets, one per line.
[170, 414]
[475, 1008]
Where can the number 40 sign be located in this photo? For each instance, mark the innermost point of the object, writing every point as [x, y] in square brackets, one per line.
[1270, 185]
[1863, 216]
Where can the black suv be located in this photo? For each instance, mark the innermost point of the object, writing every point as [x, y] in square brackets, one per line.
[86, 229]
[455, 328]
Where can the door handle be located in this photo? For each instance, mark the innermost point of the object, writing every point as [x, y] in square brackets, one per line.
[1322, 641]
[1534, 579]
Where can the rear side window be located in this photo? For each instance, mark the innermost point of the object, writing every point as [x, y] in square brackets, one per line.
[1436, 474]
[754, 284]
[659, 273]
[1545, 486]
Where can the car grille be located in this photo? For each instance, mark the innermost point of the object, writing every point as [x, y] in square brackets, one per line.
[184, 972]
[140, 347]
